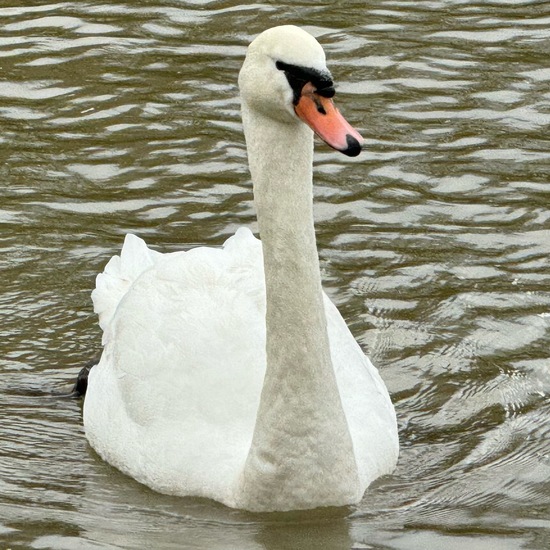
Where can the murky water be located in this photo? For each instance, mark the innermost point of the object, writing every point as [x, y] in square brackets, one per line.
[435, 243]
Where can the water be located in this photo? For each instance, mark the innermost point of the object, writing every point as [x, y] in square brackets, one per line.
[123, 116]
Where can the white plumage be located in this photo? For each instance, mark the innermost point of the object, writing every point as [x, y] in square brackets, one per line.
[175, 399]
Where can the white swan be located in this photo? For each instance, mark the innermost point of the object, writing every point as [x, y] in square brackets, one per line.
[227, 373]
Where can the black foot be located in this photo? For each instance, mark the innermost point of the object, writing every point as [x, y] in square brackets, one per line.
[81, 384]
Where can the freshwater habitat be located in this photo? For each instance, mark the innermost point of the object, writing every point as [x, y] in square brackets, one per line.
[122, 116]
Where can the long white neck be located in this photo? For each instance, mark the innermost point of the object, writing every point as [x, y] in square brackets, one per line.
[301, 454]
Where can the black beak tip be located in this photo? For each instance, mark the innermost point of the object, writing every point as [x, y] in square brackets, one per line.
[353, 148]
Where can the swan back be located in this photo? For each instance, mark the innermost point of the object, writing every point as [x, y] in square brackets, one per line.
[173, 400]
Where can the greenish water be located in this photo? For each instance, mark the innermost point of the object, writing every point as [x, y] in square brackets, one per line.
[435, 244]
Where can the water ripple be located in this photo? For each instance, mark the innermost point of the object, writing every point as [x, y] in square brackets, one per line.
[121, 116]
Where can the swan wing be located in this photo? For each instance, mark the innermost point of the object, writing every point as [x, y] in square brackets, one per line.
[174, 398]
[118, 276]
[367, 405]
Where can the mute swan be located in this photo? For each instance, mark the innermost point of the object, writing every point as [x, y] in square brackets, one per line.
[228, 373]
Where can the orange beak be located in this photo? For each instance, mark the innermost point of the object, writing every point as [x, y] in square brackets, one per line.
[321, 115]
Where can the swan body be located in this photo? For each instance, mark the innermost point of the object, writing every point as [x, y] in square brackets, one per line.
[228, 373]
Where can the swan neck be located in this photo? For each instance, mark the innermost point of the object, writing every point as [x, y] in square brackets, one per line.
[301, 449]
[280, 158]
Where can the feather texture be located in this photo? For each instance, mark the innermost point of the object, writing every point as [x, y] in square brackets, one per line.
[227, 373]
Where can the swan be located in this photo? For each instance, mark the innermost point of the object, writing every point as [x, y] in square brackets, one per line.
[227, 373]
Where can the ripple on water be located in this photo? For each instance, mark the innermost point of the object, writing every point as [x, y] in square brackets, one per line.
[121, 117]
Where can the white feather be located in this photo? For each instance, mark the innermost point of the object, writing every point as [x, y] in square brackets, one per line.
[181, 399]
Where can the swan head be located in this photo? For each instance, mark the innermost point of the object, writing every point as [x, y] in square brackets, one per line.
[285, 77]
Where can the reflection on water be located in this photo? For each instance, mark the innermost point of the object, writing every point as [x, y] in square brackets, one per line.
[119, 117]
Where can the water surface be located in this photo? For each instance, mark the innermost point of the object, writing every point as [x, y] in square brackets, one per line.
[124, 116]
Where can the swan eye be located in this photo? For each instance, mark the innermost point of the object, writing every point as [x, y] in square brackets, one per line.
[298, 77]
